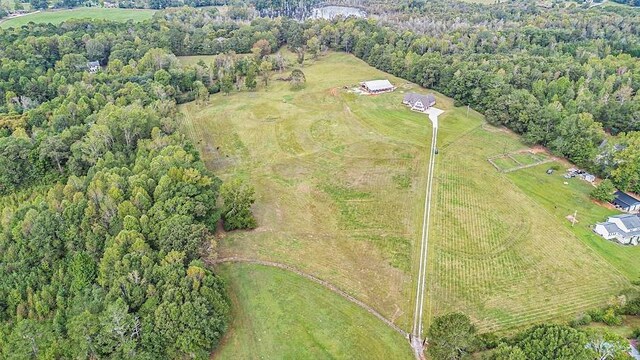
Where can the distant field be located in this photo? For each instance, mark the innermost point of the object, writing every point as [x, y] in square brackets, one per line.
[483, 2]
[10, 4]
[280, 315]
[194, 59]
[339, 177]
[58, 16]
[501, 248]
[208, 59]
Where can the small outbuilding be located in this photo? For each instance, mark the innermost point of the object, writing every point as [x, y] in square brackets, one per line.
[93, 66]
[377, 86]
[626, 202]
[418, 102]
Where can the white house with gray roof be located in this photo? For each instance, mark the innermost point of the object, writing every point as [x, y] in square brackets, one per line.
[418, 102]
[623, 228]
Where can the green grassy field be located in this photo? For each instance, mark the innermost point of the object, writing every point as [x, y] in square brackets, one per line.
[483, 2]
[340, 183]
[190, 60]
[560, 200]
[281, 315]
[194, 59]
[58, 16]
[11, 5]
[501, 248]
[339, 177]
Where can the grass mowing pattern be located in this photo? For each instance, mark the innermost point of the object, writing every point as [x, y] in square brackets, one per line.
[339, 177]
[59, 16]
[281, 315]
[560, 200]
[497, 253]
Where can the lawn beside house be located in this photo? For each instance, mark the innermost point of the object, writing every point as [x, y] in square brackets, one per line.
[561, 200]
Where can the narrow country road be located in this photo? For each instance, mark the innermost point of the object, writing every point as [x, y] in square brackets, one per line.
[416, 338]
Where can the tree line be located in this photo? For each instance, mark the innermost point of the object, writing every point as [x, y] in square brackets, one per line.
[454, 337]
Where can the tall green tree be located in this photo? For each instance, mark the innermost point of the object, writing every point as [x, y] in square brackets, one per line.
[451, 337]
[554, 342]
[237, 197]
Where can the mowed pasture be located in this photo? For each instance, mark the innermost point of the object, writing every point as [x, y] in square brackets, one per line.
[280, 315]
[339, 177]
[58, 16]
[501, 248]
[560, 200]
[340, 181]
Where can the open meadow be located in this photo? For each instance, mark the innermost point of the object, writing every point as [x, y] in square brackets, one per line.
[59, 16]
[339, 177]
[340, 182]
[281, 315]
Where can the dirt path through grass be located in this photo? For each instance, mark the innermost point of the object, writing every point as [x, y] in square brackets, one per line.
[324, 283]
[416, 342]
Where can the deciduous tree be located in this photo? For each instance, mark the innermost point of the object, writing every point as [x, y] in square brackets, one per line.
[451, 337]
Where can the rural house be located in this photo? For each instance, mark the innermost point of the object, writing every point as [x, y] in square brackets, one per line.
[626, 202]
[624, 228]
[418, 102]
[377, 86]
[93, 66]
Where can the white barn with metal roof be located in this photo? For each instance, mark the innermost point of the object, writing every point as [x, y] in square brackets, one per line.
[377, 86]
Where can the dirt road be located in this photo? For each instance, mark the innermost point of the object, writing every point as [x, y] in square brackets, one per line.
[416, 338]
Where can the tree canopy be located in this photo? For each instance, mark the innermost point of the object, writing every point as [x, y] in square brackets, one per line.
[451, 337]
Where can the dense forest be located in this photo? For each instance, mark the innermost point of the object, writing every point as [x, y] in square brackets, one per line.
[107, 211]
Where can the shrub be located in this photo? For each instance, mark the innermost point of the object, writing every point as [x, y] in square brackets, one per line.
[611, 318]
[604, 191]
[632, 307]
[596, 315]
[297, 79]
[581, 320]
[487, 341]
